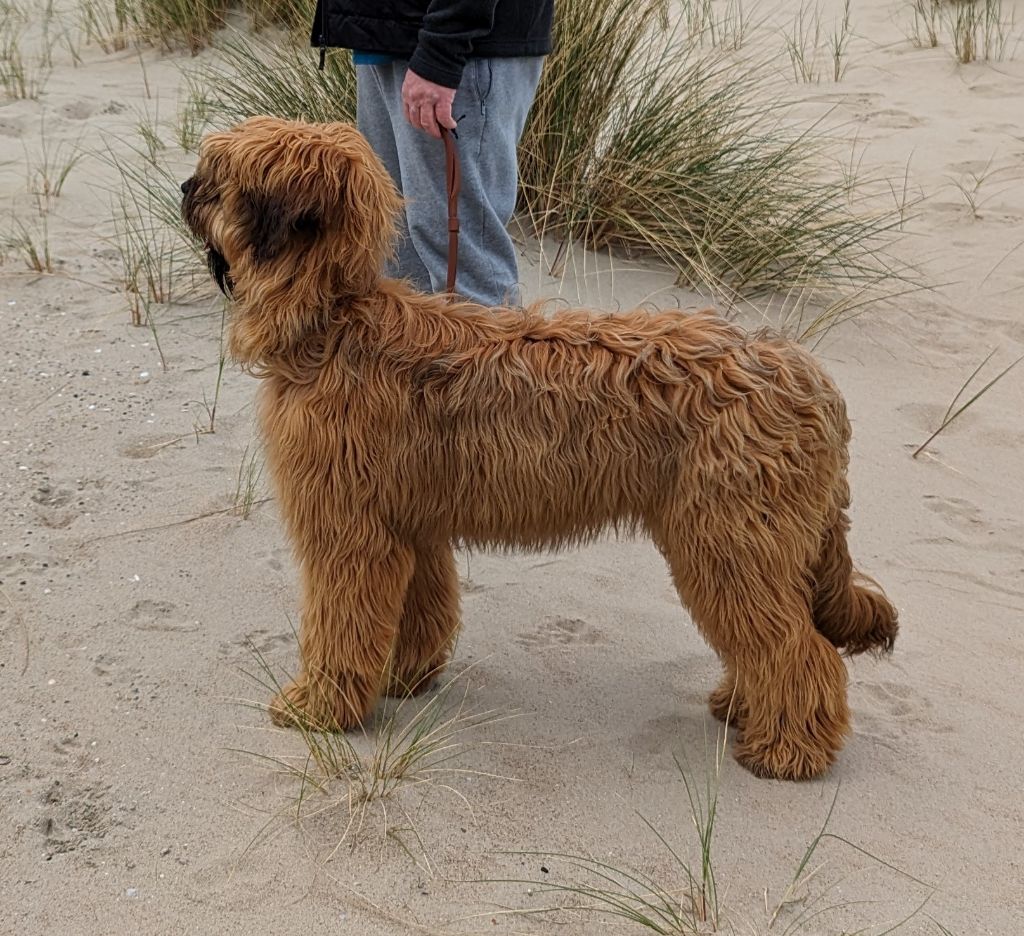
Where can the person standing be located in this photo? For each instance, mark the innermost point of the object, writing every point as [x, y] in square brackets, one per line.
[471, 66]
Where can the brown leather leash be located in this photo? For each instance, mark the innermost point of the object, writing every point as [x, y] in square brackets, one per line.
[453, 181]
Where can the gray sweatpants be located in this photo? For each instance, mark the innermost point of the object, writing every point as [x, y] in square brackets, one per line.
[495, 96]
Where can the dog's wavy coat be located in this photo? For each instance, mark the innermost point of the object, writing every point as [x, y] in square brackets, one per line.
[397, 424]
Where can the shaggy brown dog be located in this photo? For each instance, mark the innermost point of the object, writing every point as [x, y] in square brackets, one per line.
[397, 424]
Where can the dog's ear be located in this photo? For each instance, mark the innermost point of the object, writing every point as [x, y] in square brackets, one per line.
[272, 222]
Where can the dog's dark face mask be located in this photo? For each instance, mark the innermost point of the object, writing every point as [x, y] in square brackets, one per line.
[265, 225]
[194, 200]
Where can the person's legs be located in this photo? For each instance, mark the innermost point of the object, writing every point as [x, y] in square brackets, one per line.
[375, 92]
[491, 106]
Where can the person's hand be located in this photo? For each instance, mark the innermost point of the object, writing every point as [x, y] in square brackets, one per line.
[427, 106]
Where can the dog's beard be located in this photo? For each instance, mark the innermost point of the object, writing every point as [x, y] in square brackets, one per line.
[220, 269]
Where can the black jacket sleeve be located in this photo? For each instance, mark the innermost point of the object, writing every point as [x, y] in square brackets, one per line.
[446, 39]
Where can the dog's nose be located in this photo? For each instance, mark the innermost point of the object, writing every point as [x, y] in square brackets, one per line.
[186, 186]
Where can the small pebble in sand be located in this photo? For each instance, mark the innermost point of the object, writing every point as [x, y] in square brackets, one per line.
[131, 892]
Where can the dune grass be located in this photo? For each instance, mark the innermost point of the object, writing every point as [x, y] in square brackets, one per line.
[630, 900]
[31, 242]
[160, 259]
[107, 23]
[273, 73]
[979, 29]
[838, 43]
[643, 142]
[247, 485]
[204, 410]
[23, 74]
[412, 742]
[171, 24]
[803, 42]
[926, 23]
[953, 411]
[48, 174]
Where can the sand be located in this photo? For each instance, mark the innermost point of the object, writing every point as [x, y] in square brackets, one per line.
[130, 594]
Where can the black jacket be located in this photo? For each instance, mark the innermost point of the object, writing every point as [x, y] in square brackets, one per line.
[437, 36]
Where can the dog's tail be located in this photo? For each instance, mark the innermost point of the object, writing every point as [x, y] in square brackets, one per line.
[850, 610]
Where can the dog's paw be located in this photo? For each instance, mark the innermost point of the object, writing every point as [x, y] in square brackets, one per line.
[402, 685]
[725, 705]
[785, 760]
[398, 687]
[298, 704]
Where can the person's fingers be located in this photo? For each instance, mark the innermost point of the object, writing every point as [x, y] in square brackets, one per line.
[410, 106]
[427, 120]
[443, 112]
[424, 118]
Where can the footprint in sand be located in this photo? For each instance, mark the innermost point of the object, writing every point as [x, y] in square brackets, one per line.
[277, 560]
[891, 117]
[103, 663]
[74, 816]
[561, 632]
[892, 711]
[999, 534]
[77, 110]
[48, 496]
[51, 500]
[11, 128]
[260, 640]
[150, 615]
[959, 512]
[893, 697]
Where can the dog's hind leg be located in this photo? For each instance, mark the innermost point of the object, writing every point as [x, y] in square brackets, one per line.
[355, 581]
[853, 614]
[794, 691]
[790, 690]
[430, 621]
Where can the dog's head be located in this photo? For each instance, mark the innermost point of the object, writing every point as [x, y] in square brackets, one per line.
[295, 217]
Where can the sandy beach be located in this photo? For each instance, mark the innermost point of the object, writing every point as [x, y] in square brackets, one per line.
[137, 794]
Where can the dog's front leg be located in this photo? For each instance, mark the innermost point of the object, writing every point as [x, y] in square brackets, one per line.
[430, 621]
[355, 582]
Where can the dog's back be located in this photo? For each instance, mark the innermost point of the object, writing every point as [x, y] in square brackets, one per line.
[518, 429]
